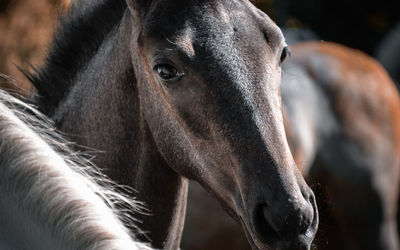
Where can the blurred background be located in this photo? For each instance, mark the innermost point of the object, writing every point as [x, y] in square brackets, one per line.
[356, 23]
[27, 27]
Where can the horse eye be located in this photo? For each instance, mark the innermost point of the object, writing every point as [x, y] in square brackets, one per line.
[167, 72]
[285, 53]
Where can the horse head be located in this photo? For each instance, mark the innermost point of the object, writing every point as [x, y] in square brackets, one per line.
[208, 73]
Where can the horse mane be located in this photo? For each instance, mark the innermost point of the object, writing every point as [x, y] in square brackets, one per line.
[60, 192]
[80, 34]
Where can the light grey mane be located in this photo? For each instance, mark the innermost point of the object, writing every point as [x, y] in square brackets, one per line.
[50, 197]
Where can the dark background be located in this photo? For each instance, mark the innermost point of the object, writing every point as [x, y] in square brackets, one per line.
[26, 26]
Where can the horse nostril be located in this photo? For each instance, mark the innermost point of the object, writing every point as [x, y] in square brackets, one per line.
[285, 222]
[309, 207]
[286, 225]
[306, 215]
[268, 219]
[315, 218]
[265, 226]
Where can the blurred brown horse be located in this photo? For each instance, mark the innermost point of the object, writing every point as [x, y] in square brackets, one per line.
[342, 118]
[341, 113]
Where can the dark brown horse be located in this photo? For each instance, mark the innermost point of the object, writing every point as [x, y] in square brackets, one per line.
[342, 121]
[172, 90]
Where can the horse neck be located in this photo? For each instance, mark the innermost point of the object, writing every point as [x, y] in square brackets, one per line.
[102, 112]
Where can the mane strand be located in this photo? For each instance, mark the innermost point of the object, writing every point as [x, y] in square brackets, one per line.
[80, 35]
[50, 196]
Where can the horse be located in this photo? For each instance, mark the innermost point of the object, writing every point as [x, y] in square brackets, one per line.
[341, 115]
[50, 197]
[171, 90]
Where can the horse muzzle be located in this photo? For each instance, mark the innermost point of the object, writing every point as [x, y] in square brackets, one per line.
[285, 224]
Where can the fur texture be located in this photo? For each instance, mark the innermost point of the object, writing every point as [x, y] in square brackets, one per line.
[50, 196]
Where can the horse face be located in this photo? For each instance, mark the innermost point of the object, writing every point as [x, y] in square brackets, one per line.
[208, 73]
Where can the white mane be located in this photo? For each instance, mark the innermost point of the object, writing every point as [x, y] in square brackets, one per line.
[49, 197]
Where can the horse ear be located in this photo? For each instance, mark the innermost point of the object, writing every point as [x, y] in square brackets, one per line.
[138, 7]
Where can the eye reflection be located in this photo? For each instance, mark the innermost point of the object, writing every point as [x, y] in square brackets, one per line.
[167, 72]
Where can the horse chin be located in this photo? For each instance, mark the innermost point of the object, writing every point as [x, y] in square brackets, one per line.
[254, 240]
[265, 239]
[257, 243]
